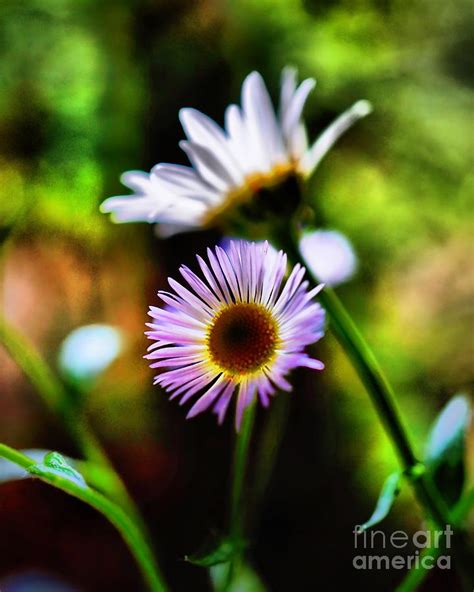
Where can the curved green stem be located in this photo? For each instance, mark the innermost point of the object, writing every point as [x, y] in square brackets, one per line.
[130, 532]
[56, 399]
[382, 396]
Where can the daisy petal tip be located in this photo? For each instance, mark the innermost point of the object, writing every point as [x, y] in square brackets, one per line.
[104, 207]
[132, 178]
[156, 168]
[253, 75]
[191, 413]
[315, 364]
[362, 108]
[184, 114]
[290, 69]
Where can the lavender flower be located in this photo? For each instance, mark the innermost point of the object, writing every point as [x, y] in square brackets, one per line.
[241, 328]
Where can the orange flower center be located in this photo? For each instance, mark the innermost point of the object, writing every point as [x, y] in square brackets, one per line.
[242, 338]
[254, 183]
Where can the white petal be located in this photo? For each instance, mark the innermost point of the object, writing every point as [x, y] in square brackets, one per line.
[261, 122]
[202, 130]
[183, 211]
[208, 166]
[291, 119]
[130, 208]
[288, 88]
[184, 181]
[139, 181]
[239, 142]
[327, 139]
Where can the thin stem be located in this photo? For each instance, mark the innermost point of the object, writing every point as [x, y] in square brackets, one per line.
[382, 396]
[237, 510]
[130, 532]
[270, 442]
[239, 469]
[415, 576]
[56, 399]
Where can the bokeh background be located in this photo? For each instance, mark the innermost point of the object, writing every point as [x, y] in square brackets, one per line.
[90, 89]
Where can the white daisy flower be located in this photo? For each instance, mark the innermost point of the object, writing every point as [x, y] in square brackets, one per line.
[257, 149]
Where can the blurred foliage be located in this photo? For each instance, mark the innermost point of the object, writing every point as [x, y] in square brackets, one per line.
[88, 90]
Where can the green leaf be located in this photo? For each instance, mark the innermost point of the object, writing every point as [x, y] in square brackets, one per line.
[96, 476]
[55, 471]
[390, 490]
[54, 464]
[445, 448]
[221, 553]
[12, 472]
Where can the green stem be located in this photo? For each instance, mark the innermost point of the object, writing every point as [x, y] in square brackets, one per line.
[416, 576]
[56, 399]
[382, 395]
[240, 464]
[270, 442]
[237, 510]
[130, 532]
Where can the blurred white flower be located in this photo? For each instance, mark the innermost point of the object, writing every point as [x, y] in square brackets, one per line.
[329, 255]
[89, 350]
[256, 149]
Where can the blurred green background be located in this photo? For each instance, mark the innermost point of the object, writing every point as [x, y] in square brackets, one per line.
[91, 89]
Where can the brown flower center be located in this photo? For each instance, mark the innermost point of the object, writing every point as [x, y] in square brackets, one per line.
[242, 338]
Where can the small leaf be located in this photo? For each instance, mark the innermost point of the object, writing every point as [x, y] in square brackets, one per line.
[445, 449]
[390, 491]
[222, 553]
[54, 464]
[12, 472]
[97, 476]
